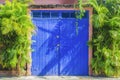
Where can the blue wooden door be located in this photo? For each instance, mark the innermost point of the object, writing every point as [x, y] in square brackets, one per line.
[45, 54]
[60, 43]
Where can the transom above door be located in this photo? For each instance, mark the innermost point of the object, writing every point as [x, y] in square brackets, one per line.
[57, 14]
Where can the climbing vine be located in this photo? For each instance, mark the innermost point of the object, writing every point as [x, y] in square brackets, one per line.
[79, 14]
[15, 31]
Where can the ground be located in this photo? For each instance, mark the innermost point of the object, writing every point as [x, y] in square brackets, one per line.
[56, 78]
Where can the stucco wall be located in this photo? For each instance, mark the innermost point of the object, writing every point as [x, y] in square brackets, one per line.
[44, 2]
[54, 2]
[1, 1]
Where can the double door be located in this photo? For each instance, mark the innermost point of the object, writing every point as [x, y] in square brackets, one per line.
[60, 46]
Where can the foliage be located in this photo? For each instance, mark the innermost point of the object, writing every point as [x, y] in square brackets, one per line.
[15, 30]
[106, 37]
[82, 11]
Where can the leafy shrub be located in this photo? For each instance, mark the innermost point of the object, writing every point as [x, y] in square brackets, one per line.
[106, 37]
[15, 31]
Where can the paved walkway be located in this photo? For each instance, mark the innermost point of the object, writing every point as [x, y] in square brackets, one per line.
[56, 78]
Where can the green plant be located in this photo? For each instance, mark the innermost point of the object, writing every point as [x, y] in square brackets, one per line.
[106, 37]
[15, 31]
[82, 11]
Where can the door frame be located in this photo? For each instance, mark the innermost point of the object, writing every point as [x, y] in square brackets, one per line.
[90, 51]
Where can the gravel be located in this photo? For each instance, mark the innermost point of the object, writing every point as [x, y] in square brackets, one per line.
[57, 78]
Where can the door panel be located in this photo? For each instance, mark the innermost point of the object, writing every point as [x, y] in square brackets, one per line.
[73, 47]
[45, 57]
